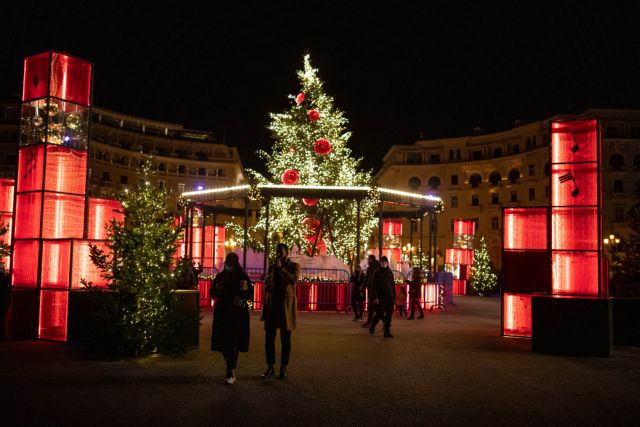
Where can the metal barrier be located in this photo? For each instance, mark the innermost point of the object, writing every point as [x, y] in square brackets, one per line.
[319, 275]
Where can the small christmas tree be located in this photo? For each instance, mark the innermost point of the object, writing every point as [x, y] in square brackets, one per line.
[5, 249]
[311, 149]
[483, 280]
[141, 268]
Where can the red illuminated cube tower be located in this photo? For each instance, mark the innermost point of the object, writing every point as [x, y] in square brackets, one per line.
[51, 197]
[459, 259]
[392, 241]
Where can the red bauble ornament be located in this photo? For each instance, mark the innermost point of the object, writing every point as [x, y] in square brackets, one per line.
[290, 177]
[310, 225]
[310, 202]
[314, 115]
[300, 98]
[322, 147]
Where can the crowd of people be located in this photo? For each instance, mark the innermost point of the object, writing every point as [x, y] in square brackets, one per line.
[232, 291]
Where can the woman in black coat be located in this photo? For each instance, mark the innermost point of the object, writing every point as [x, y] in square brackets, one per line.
[232, 289]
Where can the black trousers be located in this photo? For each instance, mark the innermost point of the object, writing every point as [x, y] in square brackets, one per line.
[371, 309]
[270, 346]
[231, 357]
[416, 303]
[358, 306]
[384, 311]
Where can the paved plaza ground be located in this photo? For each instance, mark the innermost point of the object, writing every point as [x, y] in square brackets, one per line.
[451, 368]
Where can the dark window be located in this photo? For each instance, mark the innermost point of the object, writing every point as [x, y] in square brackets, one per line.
[635, 132]
[413, 158]
[514, 175]
[516, 149]
[495, 178]
[616, 161]
[105, 176]
[435, 158]
[458, 154]
[528, 144]
[124, 179]
[454, 201]
[618, 214]
[182, 169]
[11, 159]
[475, 200]
[495, 198]
[454, 179]
[514, 196]
[414, 183]
[475, 180]
[532, 194]
[162, 167]
[476, 155]
[532, 170]
[450, 154]
[534, 142]
[495, 225]
[202, 171]
[220, 172]
[618, 186]
[434, 183]
[497, 152]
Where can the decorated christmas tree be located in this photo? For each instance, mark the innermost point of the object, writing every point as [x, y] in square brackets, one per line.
[483, 280]
[311, 149]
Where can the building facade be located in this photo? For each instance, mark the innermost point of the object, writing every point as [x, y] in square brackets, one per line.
[477, 176]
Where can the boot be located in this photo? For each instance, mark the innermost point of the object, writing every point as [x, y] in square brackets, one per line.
[283, 372]
[268, 373]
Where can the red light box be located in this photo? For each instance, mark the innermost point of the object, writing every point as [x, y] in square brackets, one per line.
[25, 263]
[464, 226]
[63, 216]
[66, 170]
[574, 184]
[28, 211]
[574, 141]
[516, 315]
[575, 228]
[56, 260]
[392, 227]
[575, 273]
[101, 212]
[53, 315]
[30, 168]
[66, 77]
[6, 195]
[525, 228]
[458, 256]
[83, 267]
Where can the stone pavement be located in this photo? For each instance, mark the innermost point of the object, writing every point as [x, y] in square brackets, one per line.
[451, 368]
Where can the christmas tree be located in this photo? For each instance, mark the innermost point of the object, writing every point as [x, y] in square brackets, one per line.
[483, 280]
[5, 249]
[311, 149]
[140, 266]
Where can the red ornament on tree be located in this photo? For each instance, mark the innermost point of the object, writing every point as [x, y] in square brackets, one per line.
[322, 147]
[310, 225]
[300, 98]
[290, 177]
[310, 202]
[314, 115]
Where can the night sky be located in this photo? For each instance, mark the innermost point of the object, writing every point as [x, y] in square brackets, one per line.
[395, 71]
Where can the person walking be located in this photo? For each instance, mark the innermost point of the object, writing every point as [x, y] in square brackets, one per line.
[231, 289]
[357, 300]
[415, 286]
[401, 301]
[279, 309]
[372, 266]
[384, 296]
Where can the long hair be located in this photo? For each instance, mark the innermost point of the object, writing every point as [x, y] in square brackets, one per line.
[233, 261]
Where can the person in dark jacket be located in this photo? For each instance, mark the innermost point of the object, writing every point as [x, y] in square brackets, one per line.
[231, 289]
[279, 310]
[415, 285]
[357, 299]
[372, 266]
[383, 293]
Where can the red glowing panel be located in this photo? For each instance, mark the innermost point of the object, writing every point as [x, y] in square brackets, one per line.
[56, 260]
[516, 315]
[53, 315]
[392, 227]
[35, 79]
[393, 255]
[459, 287]
[6, 195]
[71, 79]
[63, 216]
[83, 267]
[25, 263]
[196, 246]
[28, 211]
[66, 170]
[458, 256]
[574, 184]
[525, 228]
[30, 168]
[574, 141]
[258, 292]
[574, 273]
[575, 228]
[464, 226]
[101, 212]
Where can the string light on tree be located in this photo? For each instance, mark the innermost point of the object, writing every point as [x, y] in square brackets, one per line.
[483, 279]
